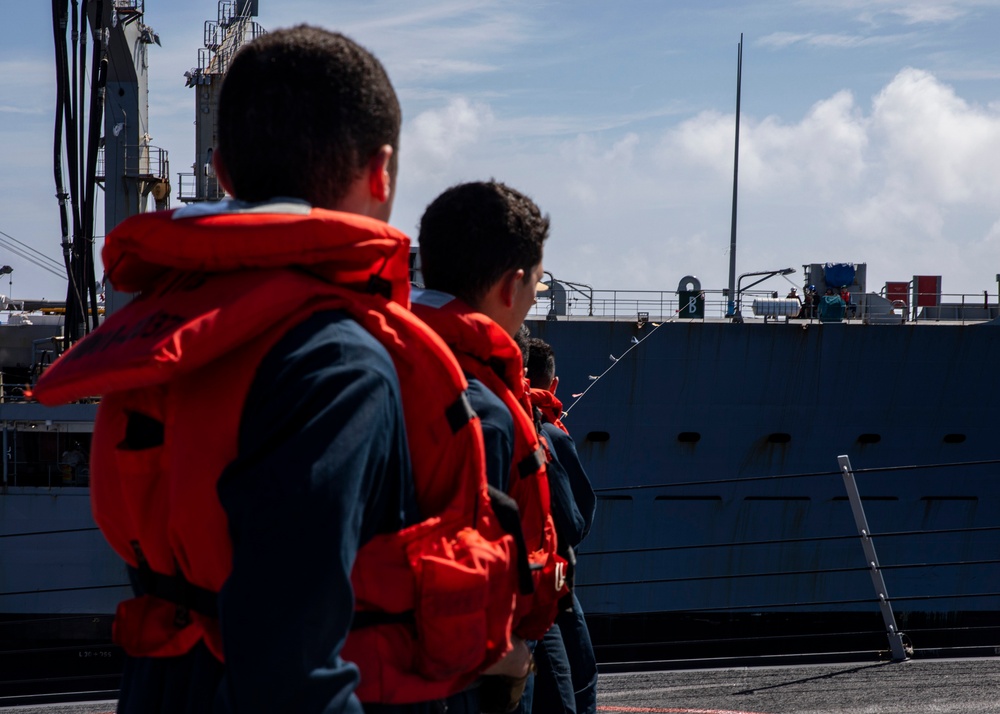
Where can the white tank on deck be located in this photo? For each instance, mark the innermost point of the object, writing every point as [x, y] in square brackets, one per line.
[776, 307]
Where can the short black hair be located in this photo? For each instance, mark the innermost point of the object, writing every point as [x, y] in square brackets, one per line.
[541, 363]
[521, 338]
[474, 233]
[301, 112]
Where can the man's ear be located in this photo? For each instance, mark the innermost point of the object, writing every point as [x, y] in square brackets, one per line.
[555, 385]
[509, 286]
[379, 176]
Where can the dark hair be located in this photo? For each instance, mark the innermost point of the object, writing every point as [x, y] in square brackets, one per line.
[541, 363]
[301, 112]
[521, 338]
[474, 233]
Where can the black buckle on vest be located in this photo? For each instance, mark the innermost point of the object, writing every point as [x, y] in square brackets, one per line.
[175, 589]
[531, 463]
[378, 285]
[459, 413]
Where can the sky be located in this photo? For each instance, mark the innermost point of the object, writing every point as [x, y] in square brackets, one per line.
[870, 129]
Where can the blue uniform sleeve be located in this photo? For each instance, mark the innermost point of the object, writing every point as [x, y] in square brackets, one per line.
[498, 433]
[584, 498]
[569, 522]
[322, 467]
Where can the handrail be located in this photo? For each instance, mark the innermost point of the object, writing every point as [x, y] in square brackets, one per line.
[663, 305]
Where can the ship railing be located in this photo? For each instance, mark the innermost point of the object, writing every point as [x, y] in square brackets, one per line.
[199, 187]
[223, 38]
[43, 473]
[662, 306]
[620, 305]
[793, 582]
[12, 391]
[135, 6]
[961, 307]
[142, 161]
[45, 453]
[146, 162]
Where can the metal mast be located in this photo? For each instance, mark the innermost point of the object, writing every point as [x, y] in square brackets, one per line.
[133, 168]
[730, 308]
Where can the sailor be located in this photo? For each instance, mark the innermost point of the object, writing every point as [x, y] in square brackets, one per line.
[481, 250]
[74, 461]
[567, 669]
[845, 295]
[810, 303]
[272, 415]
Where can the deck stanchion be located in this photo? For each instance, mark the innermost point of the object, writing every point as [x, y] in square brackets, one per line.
[895, 636]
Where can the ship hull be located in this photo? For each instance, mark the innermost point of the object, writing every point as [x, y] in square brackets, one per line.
[723, 525]
[721, 510]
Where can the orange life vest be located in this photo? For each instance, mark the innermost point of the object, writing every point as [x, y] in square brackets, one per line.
[218, 291]
[549, 405]
[490, 355]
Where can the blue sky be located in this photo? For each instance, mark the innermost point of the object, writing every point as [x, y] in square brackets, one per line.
[870, 128]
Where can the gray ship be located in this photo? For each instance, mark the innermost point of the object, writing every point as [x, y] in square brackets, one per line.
[710, 423]
[723, 523]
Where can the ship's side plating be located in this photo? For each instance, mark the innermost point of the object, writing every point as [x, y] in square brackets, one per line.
[718, 434]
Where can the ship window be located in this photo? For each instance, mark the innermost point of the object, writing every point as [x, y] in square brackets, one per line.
[954, 438]
[598, 436]
[869, 438]
[689, 437]
[779, 437]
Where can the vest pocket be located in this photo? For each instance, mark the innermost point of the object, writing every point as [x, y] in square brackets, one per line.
[463, 604]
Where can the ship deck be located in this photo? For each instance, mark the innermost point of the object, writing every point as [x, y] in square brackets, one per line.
[966, 685]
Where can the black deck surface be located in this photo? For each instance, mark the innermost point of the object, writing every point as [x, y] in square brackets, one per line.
[952, 686]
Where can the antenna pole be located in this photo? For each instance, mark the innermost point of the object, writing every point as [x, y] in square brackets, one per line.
[731, 306]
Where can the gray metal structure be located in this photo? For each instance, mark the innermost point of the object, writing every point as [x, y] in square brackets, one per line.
[133, 169]
[223, 37]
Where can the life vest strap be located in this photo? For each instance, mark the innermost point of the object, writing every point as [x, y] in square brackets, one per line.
[459, 413]
[174, 588]
[370, 618]
[531, 463]
[509, 517]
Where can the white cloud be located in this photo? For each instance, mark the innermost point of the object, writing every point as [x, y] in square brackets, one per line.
[907, 184]
[780, 40]
[783, 40]
[908, 11]
[937, 145]
[918, 11]
[433, 140]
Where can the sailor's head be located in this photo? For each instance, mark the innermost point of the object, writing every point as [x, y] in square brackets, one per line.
[482, 242]
[307, 113]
